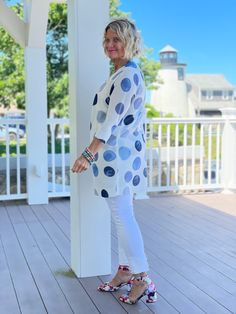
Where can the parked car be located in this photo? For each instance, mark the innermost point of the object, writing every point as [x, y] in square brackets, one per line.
[16, 116]
[12, 133]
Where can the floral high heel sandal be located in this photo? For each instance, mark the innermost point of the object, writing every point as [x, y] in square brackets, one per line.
[107, 287]
[149, 291]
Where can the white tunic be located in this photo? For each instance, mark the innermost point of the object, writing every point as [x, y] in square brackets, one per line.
[118, 119]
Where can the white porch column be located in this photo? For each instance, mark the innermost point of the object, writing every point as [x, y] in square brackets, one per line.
[36, 114]
[36, 17]
[88, 68]
[229, 150]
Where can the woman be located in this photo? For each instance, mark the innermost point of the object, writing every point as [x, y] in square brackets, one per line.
[116, 154]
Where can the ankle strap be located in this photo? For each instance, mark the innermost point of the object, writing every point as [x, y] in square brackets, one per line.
[143, 278]
[123, 267]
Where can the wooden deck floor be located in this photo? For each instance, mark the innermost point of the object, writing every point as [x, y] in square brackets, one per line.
[190, 242]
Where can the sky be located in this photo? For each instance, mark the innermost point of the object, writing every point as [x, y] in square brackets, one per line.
[203, 32]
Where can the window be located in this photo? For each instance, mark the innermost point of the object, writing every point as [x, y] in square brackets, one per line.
[217, 93]
[203, 93]
[209, 95]
[180, 74]
[225, 95]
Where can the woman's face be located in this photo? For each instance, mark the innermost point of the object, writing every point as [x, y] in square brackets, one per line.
[114, 47]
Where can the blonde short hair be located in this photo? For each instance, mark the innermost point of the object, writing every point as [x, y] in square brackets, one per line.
[128, 34]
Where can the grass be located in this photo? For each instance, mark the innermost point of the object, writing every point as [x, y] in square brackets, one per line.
[58, 146]
[189, 143]
[13, 147]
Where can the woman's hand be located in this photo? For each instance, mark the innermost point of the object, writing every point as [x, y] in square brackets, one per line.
[81, 164]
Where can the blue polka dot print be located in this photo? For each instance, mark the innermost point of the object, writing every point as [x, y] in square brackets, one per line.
[128, 176]
[112, 140]
[109, 171]
[136, 180]
[125, 84]
[136, 79]
[138, 146]
[95, 170]
[137, 103]
[101, 116]
[119, 108]
[109, 155]
[107, 100]
[124, 152]
[112, 88]
[117, 120]
[95, 100]
[129, 119]
[136, 163]
[104, 193]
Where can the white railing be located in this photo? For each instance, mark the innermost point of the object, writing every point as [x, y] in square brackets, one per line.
[184, 154]
[58, 157]
[12, 159]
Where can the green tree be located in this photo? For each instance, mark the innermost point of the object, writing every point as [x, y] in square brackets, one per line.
[149, 68]
[115, 11]
[12, 64]
[152, 112]
[11, 69]
[57, 60]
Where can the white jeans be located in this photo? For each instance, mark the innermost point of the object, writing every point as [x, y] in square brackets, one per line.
[130, 241]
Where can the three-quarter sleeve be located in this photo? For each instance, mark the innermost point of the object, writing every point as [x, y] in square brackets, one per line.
[118, 101]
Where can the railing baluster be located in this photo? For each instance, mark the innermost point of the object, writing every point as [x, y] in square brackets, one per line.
[176, 154]
[53, 143]
[193, 153]
[185, 156]
[209, 153]
[159, 154]
[201, 152]
[63, 156]
[10, 165]
[18, 178]
[151, 154]
[217, 152]
[168, 156]
[8, 160]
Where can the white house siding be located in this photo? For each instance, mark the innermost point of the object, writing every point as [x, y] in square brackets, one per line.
[171, 95]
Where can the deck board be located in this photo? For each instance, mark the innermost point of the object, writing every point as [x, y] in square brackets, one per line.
[8, 300]
[28, 296]
[190, 242]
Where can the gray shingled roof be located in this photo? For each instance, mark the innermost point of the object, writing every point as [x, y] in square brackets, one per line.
[209, 81]
[168, 48]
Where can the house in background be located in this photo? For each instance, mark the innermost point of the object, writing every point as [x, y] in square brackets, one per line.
[189, 95]
[209, 92]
